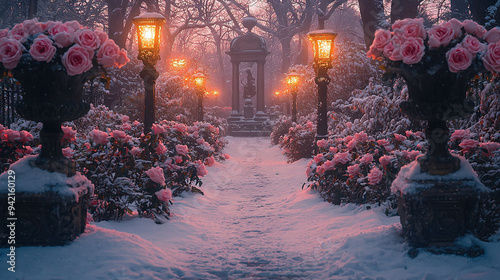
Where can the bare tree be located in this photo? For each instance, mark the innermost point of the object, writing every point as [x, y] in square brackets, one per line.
[372, 15]
[459, 9]
[401, 9]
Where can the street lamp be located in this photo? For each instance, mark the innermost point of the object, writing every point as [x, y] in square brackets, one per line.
[199, 81]
[292, 81]
[148, 27]
[178, 64]
[322, 45]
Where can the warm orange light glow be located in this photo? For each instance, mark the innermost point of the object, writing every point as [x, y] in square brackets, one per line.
[322, 42]
[178, 64]
[199, 79]
[292, 79]
[277, 93]
[324, 49]
[216, 92]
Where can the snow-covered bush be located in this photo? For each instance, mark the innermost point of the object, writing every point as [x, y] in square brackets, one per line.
[299, 141]
[280, 128]
[13, 146]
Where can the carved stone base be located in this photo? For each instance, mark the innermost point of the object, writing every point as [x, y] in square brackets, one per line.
[43, 219]
[436, 210]
[439, 165]
[40, 208]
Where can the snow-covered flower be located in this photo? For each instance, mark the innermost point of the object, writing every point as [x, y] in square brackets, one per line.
[399, 137]
[353, 170]
[318, 158]
[120, 136]
[156, 175]
[460, 134]
[157, 129]
[366, 159]
[468, 144]
[99, 137]
[161, 149]
[68, 152]
[385, 160]
[375, 176]
[490, 147]
[164, 194]
[322, 143]
[69, 133]
[126, 127]
[25, 136]
[342, 157]
[200, 169]
[209, 161]
[181, 149]
[136, 151]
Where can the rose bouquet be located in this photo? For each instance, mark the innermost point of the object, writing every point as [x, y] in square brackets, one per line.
[440, 60]
[52, 60]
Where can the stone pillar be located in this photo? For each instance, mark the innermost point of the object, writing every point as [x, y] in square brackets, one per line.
[260, 86]
[236, 89]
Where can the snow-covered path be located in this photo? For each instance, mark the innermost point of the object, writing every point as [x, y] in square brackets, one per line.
[254, 222]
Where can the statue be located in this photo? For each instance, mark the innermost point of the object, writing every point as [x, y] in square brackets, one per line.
[249, 88]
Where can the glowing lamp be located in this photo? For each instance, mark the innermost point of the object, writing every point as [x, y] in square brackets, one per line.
[323, 47]
[199, 79]
[292, 80]
[148, 27]
[178, 64]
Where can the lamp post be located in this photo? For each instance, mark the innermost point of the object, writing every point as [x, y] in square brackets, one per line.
[199, 81]
[292, 81]
[322, 45]
[148, 27]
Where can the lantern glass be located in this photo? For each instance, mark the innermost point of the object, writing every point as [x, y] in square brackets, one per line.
[323, 46]
[147, 36]
[199, 79]
[292, 79]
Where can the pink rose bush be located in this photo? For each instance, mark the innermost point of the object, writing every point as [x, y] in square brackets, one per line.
[69, 44]
[463, 45]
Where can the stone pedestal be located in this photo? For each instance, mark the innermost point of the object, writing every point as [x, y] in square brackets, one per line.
[248, 109]
[50, 209]
[436, 210]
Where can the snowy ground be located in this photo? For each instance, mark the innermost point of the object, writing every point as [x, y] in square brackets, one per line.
[254, 222]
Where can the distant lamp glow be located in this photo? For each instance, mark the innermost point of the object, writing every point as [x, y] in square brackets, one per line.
[322, 42]
[199, 79]
[292, 80]
[277, 93]
[178, 64]
[215, 93]
[148, 27]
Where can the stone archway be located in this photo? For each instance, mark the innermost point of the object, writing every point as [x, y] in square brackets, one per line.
[248, 47]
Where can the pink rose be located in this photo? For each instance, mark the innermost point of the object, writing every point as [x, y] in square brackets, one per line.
[28, 150]
[361, 136]
[157, 129]
[408, 133]
[441, 35]
[373, 53]
[10, 135]
[320, 170]
[329, 165]
[457, 26]
[412, 50]
[383, 142]
[36, 28]
[87, 39]
[122, 59]
[69, 133]
[135, 123]
[4, 33]
[473, 45]
[323, 143]
[103, 37]
[135, 151]
[11, 51]
[490, 147]
[493, 35]
[125, 118]
[126, 126]
[161, 149]
[385, 160]
[156, 175]
[77, 60]
[99, 137]
[382, 37]
[366, 159]
[58, 27]
[178, 159]
[375, 176]
[398, 24]
[468, 144]
[414, 28]
[108, 54]
[42, 49]
[200, 169]
[180, 127]
[474, 28]
[226, 156]
[25, 136]
[164, 194]
[68, 152]
[63, 39]
[342, 157]
[460, 134]
[120, 136]
[458, 59]
[352, 144]
[19, 32]
[74, 25]
[333, 150]
[30, 23]
[353, 170]
[318, 158]
[87, 147]
[210, 161]
[399, 137]
[392, 51]
[181, 149]
[491, 59]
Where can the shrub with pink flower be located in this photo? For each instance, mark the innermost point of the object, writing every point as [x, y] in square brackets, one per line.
[99, 137]
[156, 175]
[164, 194]
[182, 149]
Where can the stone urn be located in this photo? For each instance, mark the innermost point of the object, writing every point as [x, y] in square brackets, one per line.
[51, 209]
[438, 195]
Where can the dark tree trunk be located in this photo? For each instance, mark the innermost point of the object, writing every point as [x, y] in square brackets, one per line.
[285, 54]
[372, 14]
[116, 16]
[401, 9]
[303, 55]
[32, 8]
[459, 9]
